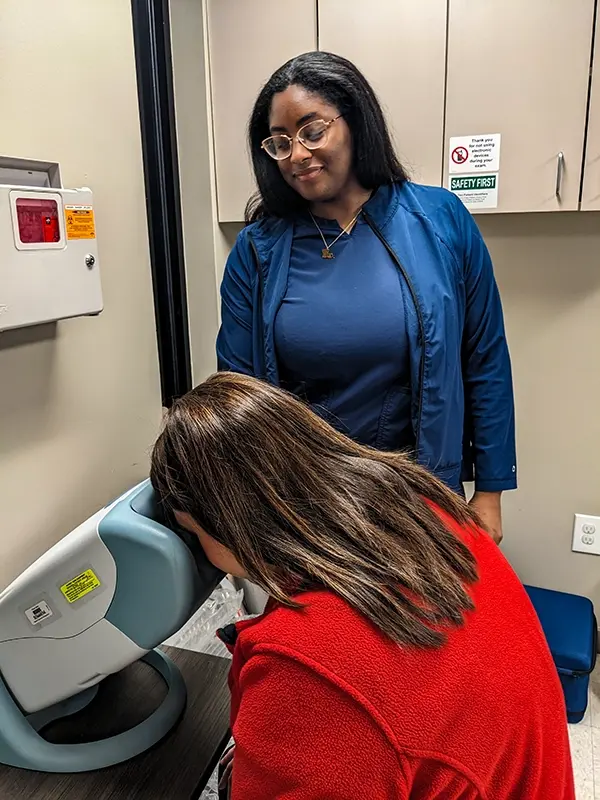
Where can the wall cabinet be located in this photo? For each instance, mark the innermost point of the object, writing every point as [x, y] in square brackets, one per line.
[521, 69]
[590, 200]
[441, 69]
[248, 41]
[400, 46]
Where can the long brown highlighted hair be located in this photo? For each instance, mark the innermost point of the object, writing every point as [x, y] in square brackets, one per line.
[301, 506]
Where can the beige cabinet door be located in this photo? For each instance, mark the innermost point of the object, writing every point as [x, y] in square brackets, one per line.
[520, 68]
[590, 200]
[400, 46]
[248, 41]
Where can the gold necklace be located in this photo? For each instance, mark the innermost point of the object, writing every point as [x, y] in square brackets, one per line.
[326, 251]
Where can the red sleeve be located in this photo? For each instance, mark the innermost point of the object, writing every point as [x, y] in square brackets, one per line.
[300, 737]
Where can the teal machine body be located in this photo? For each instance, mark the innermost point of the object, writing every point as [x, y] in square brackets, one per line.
[105, 596]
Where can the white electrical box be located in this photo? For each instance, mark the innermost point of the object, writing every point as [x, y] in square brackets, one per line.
[49, 266]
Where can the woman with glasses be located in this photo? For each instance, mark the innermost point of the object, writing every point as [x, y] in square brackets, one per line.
[370, 297]
[399, 656]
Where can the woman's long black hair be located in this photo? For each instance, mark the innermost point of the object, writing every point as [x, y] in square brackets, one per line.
[342, 85]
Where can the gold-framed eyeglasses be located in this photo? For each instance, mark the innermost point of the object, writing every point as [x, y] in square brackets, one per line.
[313, 135]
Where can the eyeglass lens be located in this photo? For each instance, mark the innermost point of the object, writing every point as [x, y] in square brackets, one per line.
[312, 135]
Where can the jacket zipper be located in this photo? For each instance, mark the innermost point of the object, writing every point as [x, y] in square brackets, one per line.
[420, 322]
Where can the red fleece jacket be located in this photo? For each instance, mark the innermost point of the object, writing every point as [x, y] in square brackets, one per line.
[325, 707]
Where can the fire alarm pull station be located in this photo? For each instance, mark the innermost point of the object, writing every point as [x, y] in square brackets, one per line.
[48, 250]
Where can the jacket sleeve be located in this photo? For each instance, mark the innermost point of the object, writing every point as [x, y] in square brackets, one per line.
[234, 341]
[487, 374]
[300, 737]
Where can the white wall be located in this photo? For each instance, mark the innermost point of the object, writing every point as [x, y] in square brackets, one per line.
[79, 401]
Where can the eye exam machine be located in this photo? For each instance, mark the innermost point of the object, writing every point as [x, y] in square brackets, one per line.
[103, 597]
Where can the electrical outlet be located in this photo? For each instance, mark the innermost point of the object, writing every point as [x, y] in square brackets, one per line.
[586, 534]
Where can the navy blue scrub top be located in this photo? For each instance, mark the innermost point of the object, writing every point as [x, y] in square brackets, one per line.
[341, 337]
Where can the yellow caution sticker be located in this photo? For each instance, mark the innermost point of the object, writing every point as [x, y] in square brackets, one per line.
[79, 222]
[80, 586]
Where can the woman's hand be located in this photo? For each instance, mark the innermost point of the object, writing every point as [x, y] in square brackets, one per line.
[488, 506]
[227, 766]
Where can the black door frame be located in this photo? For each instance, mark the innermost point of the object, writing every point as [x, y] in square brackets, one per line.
[152, 42]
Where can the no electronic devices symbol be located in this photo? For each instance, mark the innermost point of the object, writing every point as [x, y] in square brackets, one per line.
[460, 155]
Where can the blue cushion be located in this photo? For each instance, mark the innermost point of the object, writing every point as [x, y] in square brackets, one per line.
[570, 627]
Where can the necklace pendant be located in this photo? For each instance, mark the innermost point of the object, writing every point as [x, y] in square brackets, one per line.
[326, 253]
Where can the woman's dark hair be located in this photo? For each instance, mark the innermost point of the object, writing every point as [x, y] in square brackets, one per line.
[301, 506]
[342, 85]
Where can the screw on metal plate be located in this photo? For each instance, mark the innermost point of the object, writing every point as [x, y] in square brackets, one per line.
[90, 260]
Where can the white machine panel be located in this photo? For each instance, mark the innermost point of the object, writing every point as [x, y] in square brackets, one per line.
[49, 267]
[69, 664]
[39, 598]
[53, 613]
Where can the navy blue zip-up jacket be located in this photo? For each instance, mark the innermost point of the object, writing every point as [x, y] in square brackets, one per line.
[462, 397]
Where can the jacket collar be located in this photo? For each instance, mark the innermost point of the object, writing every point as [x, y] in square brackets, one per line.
[380, 208]
[383, 204]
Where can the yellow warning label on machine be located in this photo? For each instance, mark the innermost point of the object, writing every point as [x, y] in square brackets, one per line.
[80, 222]
[79, 586]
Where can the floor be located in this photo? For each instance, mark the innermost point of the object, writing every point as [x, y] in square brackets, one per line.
[585, 745]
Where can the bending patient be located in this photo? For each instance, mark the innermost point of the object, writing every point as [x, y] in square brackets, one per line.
[399, 656]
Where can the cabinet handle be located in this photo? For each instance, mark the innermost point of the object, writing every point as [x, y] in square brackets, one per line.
[560, 168]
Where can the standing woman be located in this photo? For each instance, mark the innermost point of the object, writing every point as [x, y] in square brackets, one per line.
[368, 296]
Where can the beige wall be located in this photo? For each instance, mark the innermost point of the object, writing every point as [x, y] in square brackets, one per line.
[207, 243]
[198, 203]
[548, 269]
[79, 401]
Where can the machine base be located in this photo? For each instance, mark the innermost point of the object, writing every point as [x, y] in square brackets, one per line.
[21, 745]
[67, 708]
